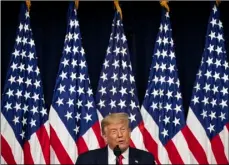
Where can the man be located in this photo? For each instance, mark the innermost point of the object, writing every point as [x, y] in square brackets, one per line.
[116, 131]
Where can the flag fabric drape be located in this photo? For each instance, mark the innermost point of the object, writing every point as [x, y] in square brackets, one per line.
[162, 109]
[24, 119]
[116, 90]
[74, 125]
[207, 120]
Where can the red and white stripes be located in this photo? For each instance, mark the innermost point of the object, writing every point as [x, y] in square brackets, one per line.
[174, 152]
[34, 151]
[206, 151]
[64, 149]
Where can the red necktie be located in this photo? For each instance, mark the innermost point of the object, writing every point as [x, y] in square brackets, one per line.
[120, 160]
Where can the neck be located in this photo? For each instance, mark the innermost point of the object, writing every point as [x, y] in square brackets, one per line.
[112, 148]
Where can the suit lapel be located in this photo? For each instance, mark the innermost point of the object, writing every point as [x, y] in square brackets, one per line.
[132, 156]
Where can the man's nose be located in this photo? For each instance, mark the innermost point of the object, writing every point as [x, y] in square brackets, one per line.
[120, 133]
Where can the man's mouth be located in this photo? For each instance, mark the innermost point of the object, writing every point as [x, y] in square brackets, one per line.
[121, 141]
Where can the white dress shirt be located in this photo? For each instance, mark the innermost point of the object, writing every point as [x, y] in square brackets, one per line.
[112, 157]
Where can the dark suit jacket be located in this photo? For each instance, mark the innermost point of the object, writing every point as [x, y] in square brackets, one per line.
[100, 156]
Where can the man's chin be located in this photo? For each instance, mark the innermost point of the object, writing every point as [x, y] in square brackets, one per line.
[123, 147]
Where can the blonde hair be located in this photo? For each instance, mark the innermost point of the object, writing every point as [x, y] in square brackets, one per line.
[114, 118]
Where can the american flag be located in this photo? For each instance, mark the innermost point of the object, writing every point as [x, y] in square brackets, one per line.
[207, 120]
[24, 119]
[162, 109]
[74, 125]
[116, 90]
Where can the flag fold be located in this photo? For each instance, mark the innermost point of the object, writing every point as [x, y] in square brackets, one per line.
[74, 124]
[24, 118]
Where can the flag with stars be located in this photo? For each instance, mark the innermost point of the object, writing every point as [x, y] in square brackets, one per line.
[162, 109]
[74, 124]
[116, 90]
[207, 118]
[24, 119]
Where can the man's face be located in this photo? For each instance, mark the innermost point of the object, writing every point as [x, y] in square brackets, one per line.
[117, 134]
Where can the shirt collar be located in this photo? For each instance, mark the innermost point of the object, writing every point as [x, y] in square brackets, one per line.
[125, 154]
[111, 155]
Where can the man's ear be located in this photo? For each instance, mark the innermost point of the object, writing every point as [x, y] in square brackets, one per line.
[104, 137]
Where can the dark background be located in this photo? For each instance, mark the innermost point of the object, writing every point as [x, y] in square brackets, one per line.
[141, 22]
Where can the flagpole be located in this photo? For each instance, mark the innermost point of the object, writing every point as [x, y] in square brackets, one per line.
[118, 8]
[164, 3]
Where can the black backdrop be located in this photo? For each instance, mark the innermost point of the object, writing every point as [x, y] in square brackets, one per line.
[141, 22]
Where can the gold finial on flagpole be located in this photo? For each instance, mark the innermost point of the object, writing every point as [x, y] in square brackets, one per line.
[77, 4]
[118, 8]
[164, 3]
[218, 2]
[28, 4]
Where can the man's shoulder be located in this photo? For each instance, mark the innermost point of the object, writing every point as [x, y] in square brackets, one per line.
[90, 156]
[144, 156]
[92, 152]
[141, 152]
